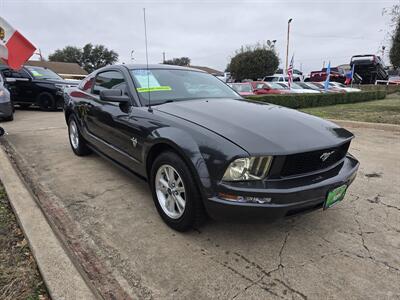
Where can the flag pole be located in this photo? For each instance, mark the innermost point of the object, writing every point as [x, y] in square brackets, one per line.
[287, 44]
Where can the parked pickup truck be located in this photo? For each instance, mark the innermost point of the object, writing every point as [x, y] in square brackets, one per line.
[369, 67]
[337, 74]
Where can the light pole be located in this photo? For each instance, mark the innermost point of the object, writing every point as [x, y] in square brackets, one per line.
[287, 45]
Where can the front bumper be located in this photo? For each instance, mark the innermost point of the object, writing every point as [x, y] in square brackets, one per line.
[6, 110]
[288, 196]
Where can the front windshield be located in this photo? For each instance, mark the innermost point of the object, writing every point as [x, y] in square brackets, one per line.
[294, 86]
[304, 85]
[271, 78]
[242, 88]
[163, 85]
[276, 86]
[43, 73]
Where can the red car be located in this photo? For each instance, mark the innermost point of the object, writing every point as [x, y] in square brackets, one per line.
[262, 88]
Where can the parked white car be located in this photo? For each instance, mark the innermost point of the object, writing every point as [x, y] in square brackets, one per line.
[280, 78]
[297, 89]
[343, 87]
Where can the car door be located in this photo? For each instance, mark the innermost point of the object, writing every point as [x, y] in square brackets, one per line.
[19, 84]
[110, 122]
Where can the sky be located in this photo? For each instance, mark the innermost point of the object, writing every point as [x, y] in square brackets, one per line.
[208, 32]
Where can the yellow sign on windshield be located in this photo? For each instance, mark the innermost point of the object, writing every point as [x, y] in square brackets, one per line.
[154, 89]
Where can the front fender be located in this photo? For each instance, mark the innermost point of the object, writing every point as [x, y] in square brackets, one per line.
[187, 148]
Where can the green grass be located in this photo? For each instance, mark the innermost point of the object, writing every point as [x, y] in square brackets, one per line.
[379, 111]
[19, 276]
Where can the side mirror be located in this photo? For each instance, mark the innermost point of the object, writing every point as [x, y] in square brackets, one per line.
[113, 96]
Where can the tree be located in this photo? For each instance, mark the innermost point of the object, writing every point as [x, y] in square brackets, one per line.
[253, 62]
[394, 53]
[181, 61]
[68, 54]
[89, 58]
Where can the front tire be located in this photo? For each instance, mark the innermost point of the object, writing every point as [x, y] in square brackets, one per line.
[47, 102]
[78, 144]
[175, 193]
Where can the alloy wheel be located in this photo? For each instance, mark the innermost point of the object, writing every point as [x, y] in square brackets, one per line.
[170, 191]
[73, 134]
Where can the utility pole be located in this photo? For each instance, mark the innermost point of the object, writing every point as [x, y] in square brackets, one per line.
[287, 44]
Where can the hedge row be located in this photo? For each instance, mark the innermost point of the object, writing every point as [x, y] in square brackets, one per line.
[314, 100]
[390, 89]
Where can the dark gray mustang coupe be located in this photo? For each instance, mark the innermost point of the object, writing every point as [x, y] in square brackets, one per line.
[205, 150]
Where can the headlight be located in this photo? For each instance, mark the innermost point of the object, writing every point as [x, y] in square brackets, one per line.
[248, 168]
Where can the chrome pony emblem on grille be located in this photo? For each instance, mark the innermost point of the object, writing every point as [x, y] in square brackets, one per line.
[326, 155]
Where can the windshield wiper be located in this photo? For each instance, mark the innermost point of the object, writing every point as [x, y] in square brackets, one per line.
[159, 103]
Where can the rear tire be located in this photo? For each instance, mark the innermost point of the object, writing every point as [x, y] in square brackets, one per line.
[175, 193]
[77, 142]
[47, 102]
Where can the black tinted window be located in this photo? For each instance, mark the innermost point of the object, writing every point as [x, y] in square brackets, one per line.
[8, 73]
[109, 80]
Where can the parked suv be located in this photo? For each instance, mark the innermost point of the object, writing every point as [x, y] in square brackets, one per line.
[369, 67]
[35, 86]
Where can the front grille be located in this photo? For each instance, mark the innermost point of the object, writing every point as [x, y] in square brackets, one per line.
[307, 162]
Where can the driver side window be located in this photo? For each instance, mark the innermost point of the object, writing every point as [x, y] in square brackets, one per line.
[8, 73]
[109, 80]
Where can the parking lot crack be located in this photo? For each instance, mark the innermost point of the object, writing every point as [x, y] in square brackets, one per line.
[361, 234]
[377, 200]
[91, 196]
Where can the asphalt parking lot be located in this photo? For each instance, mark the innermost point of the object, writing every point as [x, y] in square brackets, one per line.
[108, 222]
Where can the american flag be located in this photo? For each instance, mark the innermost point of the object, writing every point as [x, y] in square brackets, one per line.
[290, 73]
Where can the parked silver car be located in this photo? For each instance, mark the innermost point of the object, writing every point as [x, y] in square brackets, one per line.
[6, 106]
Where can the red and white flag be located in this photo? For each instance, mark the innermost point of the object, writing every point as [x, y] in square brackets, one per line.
[290, 73]
[15, 49]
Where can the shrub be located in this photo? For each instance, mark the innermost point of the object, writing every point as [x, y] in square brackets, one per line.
[314, 100]
[390, 89]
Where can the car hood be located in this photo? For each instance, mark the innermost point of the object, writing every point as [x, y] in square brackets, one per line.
[259, 128]
[61, 81]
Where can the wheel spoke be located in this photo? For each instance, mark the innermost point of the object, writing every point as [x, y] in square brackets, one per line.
[171, 175]
[180, 203]
[166, 173]
[178, 182]
[180, 189]
[169, 202]
[164, 184]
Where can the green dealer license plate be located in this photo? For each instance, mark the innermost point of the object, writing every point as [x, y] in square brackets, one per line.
[335, 196]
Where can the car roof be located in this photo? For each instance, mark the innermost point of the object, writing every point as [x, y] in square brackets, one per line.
[158, 66]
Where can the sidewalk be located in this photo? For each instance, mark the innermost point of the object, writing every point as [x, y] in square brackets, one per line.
[60, 275]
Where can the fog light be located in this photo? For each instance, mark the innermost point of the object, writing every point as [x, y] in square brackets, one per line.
[244, 199]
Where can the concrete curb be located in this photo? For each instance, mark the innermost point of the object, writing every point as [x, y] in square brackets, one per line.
[358, 124]
[61, 277]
